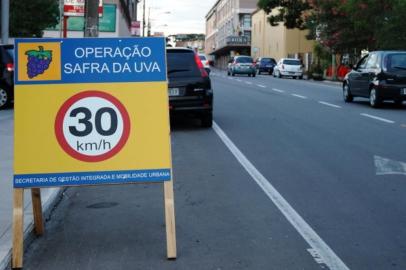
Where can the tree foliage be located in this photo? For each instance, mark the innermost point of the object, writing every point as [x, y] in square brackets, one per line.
[189, 37]
[29, 18]
[289, 12]
[345, 26]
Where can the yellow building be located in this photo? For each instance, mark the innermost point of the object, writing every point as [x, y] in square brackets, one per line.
[278, 41]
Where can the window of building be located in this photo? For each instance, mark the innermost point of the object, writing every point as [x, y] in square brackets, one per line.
[248, 35]
[246, 21]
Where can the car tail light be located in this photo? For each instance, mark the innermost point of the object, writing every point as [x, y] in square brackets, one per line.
[200, 66]
[10, 67]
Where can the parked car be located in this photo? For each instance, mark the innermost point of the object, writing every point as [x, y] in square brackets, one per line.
[265, 64]
[289, 67]
[379, 76]
[205, 61]
[241, 65]
[189, 89]
[7, 75]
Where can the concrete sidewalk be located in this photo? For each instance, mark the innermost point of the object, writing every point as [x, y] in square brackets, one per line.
[6, 190]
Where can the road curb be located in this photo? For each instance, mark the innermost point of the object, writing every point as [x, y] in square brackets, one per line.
[49, 200]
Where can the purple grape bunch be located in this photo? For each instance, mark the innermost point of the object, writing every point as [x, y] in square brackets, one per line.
[38, 61]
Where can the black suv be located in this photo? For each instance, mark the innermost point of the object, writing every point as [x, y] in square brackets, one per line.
[189, 85]
[7, 75]
[265, 64]
[379, 76]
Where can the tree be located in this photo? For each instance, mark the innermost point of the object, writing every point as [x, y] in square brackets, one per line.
[344, 26]
[392, 33]
[289, 12]
[29, 18]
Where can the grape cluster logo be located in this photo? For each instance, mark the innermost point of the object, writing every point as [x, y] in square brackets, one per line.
[38, 61]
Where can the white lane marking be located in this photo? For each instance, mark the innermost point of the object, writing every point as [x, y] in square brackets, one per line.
[238, 80]
[378, 118]
[278, 90]
[329, 104]
[388, 166]
[326, 254]
[230, 78]
[324, 84]
[299, 96]
[248, 82]
[260, 85]
[315, 256]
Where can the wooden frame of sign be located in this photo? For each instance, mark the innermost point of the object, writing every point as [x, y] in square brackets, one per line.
[18, 222]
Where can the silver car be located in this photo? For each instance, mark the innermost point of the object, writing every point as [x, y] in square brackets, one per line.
[289, 67]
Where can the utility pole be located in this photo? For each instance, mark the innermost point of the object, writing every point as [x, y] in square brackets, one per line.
[136, 10]
[149, 22]
[5, 9]
[143, 19]
[91, 18]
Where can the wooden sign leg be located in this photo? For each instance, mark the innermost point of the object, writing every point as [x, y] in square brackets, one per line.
[37, 210]
[170, 220]
[18, 228]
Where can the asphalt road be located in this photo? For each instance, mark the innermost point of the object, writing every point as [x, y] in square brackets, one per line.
[290, 177]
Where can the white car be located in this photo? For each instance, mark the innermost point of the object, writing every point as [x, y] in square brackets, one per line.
[289, 67]
[205, 62]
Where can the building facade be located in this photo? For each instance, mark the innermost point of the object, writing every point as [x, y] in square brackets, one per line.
[278, 41]
[228, 30]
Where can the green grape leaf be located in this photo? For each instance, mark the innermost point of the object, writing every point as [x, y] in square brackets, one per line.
[41, 53]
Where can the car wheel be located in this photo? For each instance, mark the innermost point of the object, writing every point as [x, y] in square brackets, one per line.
[294, 77]
[300, 77]
[207, 120]
[253, 74]
[374, 99]
[232, 74]
[228, 73]
[4, 98]
[347, 93]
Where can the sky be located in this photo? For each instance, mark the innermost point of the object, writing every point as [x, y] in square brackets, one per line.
[185, 16]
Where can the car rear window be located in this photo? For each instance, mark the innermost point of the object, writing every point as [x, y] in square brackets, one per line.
[181, 63]
[395, 61]
[244, 60]
[202, 57]
[267, 60]
[11, 52]
[292, 62]
[7, 54]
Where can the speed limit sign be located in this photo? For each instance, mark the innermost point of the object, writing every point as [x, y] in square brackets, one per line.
[92, 126]
[104, 115]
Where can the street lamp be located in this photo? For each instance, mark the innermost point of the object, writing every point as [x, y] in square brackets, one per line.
[149, 19]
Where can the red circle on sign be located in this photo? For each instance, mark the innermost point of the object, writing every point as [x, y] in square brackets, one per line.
[64, 109]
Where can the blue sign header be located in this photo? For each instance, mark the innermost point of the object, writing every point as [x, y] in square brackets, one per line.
[90, 60]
